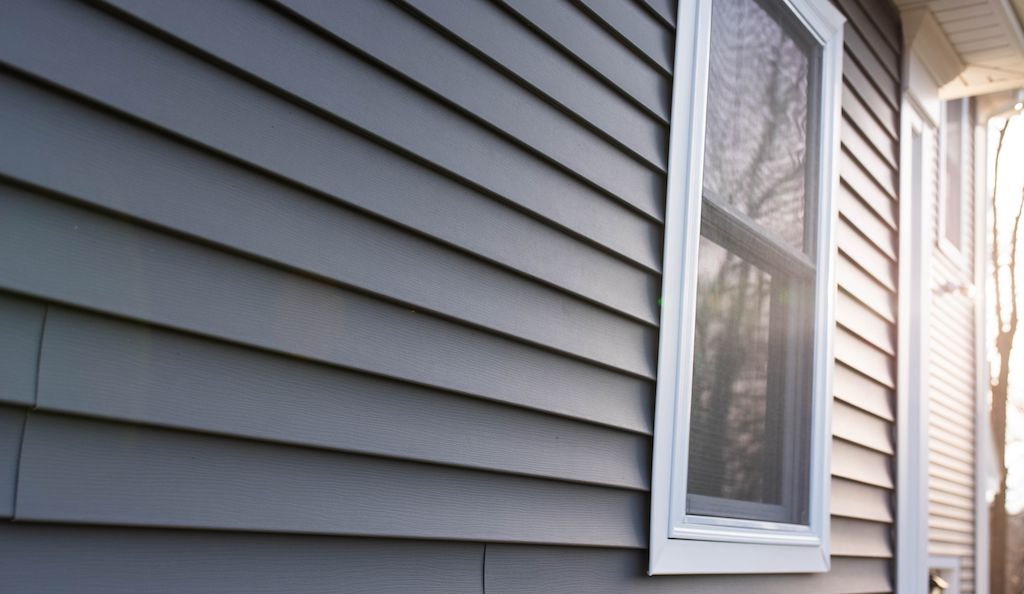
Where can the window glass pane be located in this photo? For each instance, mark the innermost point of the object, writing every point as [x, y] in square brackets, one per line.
[954, 147]
[732, 455]
[756, 146]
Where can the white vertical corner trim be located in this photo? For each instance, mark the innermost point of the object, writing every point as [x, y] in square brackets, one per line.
[979, 135]
[761, 547]
[915, 246]
[919, 89]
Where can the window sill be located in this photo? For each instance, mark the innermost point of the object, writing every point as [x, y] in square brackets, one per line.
[678, 556]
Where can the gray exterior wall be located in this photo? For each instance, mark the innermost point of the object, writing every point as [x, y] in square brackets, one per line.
[314, 296]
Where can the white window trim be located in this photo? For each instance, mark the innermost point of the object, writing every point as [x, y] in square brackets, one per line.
[678, 545]
[983, 441]
[945, 245]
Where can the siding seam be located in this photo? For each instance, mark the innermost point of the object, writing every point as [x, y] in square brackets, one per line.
[17, 469]
[24, 420]
[39, 359]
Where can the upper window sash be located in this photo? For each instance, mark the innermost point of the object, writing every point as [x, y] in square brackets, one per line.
[682, 543]
[954, 136]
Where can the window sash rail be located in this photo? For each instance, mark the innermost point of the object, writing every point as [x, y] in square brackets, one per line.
[727, 226]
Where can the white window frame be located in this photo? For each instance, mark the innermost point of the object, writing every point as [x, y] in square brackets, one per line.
[679, 545]
[954, 252]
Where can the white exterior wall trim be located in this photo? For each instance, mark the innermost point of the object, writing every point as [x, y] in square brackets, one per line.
[982, 428]
[915, 249]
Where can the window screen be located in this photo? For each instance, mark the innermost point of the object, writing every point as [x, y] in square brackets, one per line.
[750, 404]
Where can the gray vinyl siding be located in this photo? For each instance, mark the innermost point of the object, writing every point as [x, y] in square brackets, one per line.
[952, 388]
[22, 321]
[313, 296]
[12, 425]
[106, 559]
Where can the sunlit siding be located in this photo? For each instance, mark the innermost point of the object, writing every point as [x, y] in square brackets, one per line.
[952, 390]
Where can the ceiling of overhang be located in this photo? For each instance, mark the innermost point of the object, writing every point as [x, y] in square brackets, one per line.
[988, 37]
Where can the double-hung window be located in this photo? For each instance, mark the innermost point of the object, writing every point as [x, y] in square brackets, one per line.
[741, 464]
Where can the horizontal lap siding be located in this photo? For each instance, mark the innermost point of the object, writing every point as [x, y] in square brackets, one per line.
[106, 560]
[123, 269]
[344, 275]
[865, 375]
[276, 286]
[525, 570]
[22, 321]
[952, 383]
[181, 92]
[187, 480]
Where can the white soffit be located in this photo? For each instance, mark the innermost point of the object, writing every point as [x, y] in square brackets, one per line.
[986, 36]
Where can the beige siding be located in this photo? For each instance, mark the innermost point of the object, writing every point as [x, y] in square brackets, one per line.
[865, 375]
[951, 385]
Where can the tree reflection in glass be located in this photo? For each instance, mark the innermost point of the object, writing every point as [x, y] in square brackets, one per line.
[756, 144]
[747, 455]
[730, 380]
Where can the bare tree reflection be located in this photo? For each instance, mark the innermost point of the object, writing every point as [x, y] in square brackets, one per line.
[731, 377]
[755, 160]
